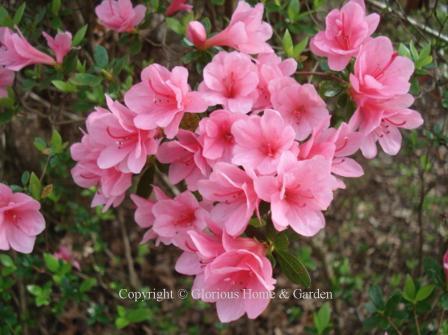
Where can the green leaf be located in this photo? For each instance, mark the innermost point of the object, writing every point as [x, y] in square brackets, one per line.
[293, 10]
[63, 86]
[56, 142]
[79, 36]
[288, 46]
[293, 268]
[19, 14]
[101, 57]
[414, 52]
[34, 289]
[403, 50]
[409, 289]
[87, 284]
[175, 25]
[6, 261]
[298, 49]
[5, 19]
[51, 262]
[86, 79]
[40, 144]
[376, 296]
[55, 7]
[121, 323]
[280, 241]
[138, 315]
[322, 318]
[25, 178]
[35, 186]
[424, 292]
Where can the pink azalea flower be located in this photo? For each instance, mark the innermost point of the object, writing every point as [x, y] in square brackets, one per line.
[216, 136]
[185, 158]
[111, 182]
[380, 73]
[233, 189]
[260, 141]
[123, 145]
[60, 44]
[16, 52]
[65, 254]
[143, 215]
[20, 220]
[175, 217]
[162, 98]
[6, 80]
[335, 144]
[177, 6]
[246, 31]
[298, 194]
[346, 30]
[241, 273]
[120, 15]
[299, 105]
[271, 67]
[231, 80]
[387, 133]
[196, 34]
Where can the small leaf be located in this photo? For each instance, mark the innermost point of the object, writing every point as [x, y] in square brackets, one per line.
[175, 25]
[294, 10]
[5, 19]
[79, 36]
[87, 284]
[86, 79]
[35, 186]
[6, 261]
[424, 292]
[101, 57]
[47, 191]
[56, 142]
[55, 7]
[293, 268]
[403, 50]
[322, 318]
[376, 296]
[409, 289]
[51, 262]
[298, 49]
[63, 86]
[288, 46]
[19, 14]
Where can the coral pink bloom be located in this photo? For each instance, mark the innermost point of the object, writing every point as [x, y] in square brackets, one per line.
[387, 133]
[379, 72]
[346, 30]
[246, 277]
[65, 254]
[16, 52]
[216, 136]
[143, 215]
[260, 141]
[20, 220]
[298, 194]
[233, 189]
[162, 98]
[175, 217]
[112, 183]
[120, 15]
[196, 34]
[335, 145]
[231, 80]
[125, 146]
[300, 105]
[6, 80]
[246, 31]
[185, 158]
[271, 67]
[60, 44]
[177, 6]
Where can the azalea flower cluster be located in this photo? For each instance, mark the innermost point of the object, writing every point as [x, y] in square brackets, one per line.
[262, 137]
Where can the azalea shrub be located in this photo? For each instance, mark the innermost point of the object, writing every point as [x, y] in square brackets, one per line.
[229, 152]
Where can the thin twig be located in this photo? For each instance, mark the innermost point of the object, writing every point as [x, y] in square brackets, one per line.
[134, 280]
